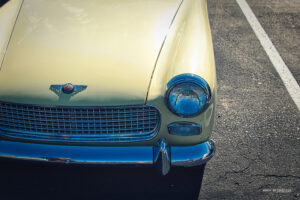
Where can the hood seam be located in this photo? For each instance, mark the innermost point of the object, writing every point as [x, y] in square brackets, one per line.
[162, 45]
[12, 31]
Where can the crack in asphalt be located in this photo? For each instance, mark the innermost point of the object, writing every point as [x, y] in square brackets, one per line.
[277, 176]
[263, 175]
[239, 171]
[264, 186]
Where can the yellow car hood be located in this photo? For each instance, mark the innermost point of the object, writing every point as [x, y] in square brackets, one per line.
[109, 45]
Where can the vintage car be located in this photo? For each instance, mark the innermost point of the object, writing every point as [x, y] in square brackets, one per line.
[123, 82]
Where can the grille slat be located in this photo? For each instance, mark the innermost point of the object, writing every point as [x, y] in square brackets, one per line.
[103, 112]
[75, 113]
[73, 120]
[79, 124]
[56, 127]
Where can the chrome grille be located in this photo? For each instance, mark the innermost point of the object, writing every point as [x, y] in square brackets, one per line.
[79, 124]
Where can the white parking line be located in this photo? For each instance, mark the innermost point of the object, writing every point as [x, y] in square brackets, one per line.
[283, 71]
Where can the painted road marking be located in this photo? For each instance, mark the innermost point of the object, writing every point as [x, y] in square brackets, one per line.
[283, 71]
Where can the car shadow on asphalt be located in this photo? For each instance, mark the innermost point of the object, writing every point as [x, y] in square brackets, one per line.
[35, 181]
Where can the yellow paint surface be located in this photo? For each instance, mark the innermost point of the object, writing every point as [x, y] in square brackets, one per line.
[111, 46]
[124, 50]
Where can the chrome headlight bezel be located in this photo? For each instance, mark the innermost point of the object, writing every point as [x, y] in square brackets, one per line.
[188, 78]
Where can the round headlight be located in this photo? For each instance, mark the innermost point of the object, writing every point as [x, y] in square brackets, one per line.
[187, 95]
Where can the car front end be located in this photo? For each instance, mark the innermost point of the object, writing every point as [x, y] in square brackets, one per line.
[107, 83]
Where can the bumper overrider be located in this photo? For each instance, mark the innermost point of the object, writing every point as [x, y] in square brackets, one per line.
[161, 155]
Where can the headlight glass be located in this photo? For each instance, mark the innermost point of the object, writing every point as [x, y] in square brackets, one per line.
[187, 95]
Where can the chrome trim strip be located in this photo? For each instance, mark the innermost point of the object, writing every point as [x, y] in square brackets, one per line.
[183, 156]
[76, 154]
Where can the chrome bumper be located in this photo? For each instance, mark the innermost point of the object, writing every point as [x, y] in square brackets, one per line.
[161, 155]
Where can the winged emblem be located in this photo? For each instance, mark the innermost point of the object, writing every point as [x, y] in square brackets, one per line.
[67, 88]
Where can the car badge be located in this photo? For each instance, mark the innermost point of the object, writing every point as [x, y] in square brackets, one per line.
[67, 88]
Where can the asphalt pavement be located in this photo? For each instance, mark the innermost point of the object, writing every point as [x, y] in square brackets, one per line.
[257, 127]
[257, 124]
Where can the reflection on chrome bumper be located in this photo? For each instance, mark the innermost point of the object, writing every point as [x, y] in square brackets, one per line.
[161, 155]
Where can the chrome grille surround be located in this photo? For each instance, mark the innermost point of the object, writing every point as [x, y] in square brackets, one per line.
[79, 124]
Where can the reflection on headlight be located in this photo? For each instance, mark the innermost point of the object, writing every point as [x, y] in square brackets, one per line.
[188, 97]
